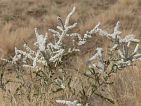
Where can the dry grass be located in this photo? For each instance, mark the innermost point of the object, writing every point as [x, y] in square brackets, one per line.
[18, 18]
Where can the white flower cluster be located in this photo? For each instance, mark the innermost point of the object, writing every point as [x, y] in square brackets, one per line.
[87, 35]
[47, 51]
[122, 45]
[51, 51]
[69, 103]
[99, 54]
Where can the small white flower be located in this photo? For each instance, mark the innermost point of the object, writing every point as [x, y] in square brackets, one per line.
[69, 103]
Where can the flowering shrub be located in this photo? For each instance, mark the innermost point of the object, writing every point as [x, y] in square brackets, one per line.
[52, 52]
[122, 53]
[119, 45]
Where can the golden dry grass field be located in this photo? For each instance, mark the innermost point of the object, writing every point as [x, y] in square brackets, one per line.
[18, 18]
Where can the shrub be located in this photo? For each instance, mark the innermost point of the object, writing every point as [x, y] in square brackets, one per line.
[51, 52]
[48, 54]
